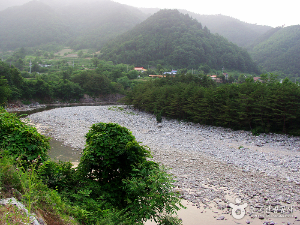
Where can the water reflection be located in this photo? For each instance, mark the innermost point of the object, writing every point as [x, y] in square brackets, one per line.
[63, 153]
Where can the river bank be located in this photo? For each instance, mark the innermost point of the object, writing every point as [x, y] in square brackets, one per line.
[212, 165]
[34, 106]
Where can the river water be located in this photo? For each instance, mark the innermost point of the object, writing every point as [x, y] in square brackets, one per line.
[58, 151]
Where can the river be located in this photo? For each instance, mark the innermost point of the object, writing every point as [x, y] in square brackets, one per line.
[212, 165]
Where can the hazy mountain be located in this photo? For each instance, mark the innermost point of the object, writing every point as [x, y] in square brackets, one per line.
[88, 25]
[279, 50]
[29, 25]
[236, 31]
[96, 23]
[92, 22]
[4, 4]
[171, 38]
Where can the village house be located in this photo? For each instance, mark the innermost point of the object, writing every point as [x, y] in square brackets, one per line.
[257, 79]
[173, 72]
[140, 69]
[215, 78]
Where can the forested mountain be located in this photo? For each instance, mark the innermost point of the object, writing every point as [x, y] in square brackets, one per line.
[236, 31]
[279, 50]
[171, 38]
[29, 25]
[87, 25]
[241, 33]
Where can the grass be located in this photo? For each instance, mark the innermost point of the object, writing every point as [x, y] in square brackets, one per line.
[120, 109]
[29, 190]
[11, 214]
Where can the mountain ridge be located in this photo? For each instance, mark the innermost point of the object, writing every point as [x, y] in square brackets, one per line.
[170, 37]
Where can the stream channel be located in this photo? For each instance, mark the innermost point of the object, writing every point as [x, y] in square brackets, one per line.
[58, 151]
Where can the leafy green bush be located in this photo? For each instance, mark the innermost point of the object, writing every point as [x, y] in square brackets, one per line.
[58, 175]
[116, 164]
[114, 183]
[20, 140]
[9, 178]
[110, 156]
[168, 220]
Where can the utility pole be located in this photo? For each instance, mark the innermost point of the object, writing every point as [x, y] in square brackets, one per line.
[30, 66]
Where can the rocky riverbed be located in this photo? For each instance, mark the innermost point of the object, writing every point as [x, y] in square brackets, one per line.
[213, 166]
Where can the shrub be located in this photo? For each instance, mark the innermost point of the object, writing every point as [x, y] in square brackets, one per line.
[116, 164]
[20, 140]
[110, 155]
[28, 188]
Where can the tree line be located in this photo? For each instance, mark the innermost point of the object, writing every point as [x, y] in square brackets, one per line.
[66, 85]
[267, 106]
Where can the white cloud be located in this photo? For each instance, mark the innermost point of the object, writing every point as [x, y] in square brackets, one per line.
[263, 12]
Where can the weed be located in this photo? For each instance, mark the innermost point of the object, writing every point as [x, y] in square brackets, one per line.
[11, 214]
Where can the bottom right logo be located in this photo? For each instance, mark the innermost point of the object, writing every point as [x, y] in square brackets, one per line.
[238, 210]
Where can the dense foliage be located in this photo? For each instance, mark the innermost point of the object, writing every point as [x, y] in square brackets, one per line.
[21, 141]
[66, 85]
[25, 186]
[171, 38]
[116, 164]
[278, 50]
[113, 184]
[268, 106]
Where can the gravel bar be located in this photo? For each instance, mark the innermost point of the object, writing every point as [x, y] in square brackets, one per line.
[212, 165]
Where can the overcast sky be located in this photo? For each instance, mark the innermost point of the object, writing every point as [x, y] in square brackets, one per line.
[262, 12]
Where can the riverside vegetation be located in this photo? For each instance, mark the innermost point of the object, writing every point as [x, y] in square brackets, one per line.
[262, 107]
[113, 184]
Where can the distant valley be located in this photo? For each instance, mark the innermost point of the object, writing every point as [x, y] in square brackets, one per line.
[94, 24]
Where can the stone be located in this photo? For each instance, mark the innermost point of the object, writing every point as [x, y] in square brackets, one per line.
[221, 218]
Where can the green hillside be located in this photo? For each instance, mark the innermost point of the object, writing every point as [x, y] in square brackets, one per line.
[279, 50]
[172, 38]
